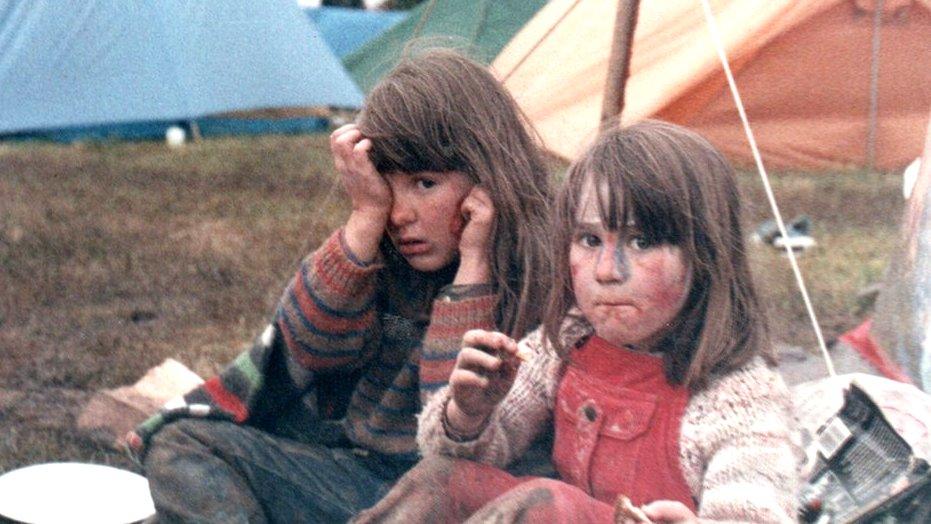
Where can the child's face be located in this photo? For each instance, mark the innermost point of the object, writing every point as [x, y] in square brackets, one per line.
[627, 286]
[426, 220]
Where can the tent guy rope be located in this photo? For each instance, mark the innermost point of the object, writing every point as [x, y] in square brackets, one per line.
[537, 44]
[719, 47]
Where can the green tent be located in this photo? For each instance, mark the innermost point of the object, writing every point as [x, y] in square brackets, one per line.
[482, 26]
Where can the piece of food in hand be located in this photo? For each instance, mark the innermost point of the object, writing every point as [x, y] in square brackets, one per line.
[523, 353]
[624, 511]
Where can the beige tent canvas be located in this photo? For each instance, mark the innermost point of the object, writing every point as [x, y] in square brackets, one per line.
[803, 68]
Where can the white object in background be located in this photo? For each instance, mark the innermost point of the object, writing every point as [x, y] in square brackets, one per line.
[339, 120]
[795, 242]
[909, 177]
[74, 492]
[175, 136]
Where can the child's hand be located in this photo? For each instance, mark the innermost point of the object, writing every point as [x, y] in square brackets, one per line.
[478, 212]
[368, 190]
[483, 375]
[669, 511]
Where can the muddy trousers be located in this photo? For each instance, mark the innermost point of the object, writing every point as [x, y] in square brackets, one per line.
[213, 471]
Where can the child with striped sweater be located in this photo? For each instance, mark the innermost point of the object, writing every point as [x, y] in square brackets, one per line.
[446, 234]
[652, 364]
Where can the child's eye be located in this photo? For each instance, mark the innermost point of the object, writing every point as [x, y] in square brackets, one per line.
[589, 240]
[425, 183]
[641, 242]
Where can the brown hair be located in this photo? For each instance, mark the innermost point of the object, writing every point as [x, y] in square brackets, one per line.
[440, 111]
[679, 190]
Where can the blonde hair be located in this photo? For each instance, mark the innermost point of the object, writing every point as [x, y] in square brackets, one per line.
[679, 190]
[440, 111]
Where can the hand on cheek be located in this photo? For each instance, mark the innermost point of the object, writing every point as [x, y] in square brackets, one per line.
[478, 221]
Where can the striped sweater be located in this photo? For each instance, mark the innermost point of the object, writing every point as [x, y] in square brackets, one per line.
[363, 344]
[736, 443]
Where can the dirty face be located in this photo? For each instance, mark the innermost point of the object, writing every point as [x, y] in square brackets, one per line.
[628, 286]
[426, 218]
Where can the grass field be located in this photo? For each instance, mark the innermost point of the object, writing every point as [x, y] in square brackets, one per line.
[116, 256]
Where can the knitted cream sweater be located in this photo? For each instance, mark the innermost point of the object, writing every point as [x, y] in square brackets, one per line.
[736, 443]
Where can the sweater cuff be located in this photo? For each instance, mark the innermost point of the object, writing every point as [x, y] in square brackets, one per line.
[450, 320]
[338, 269]
[349, 254]
[432, 438]
[455, 316]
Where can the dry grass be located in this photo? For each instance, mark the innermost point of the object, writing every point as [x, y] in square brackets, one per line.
[114, 257]
[855, 218]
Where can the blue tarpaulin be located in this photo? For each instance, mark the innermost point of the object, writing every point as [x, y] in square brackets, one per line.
[75, 63]
[346, 30]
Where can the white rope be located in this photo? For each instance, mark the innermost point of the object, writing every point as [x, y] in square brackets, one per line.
[715, 36]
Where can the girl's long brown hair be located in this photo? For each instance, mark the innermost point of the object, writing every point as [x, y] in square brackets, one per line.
[439, 111]
[677, 189]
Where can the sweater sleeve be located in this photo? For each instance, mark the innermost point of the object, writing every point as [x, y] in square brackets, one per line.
[325, 320]
[254, 384]
[738, 452]
[327, 313]
[450, 318]
[519, 418]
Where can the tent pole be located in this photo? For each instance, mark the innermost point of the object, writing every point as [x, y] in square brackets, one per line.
[874, 86]
[480, 26]
[625, 23]
[424, 16]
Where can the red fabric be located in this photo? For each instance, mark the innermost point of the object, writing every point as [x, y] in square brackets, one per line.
[472, 485]
[226, 400]
[861, 340]
[617, 426]
[617, 433]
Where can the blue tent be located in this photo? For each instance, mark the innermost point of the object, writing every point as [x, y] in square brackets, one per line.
[70, 64]
[348, 29]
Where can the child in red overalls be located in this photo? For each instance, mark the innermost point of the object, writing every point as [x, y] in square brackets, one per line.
[652, 364]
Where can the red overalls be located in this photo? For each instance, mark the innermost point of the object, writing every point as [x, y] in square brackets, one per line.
[617, 433]
[617, 426]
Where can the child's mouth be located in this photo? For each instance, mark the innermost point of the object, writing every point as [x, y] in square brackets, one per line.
[413, 247]
[614, 304]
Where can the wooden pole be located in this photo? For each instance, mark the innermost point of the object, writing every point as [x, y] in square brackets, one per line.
[625, 23]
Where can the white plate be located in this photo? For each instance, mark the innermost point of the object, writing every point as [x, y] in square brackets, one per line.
[74, 492]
